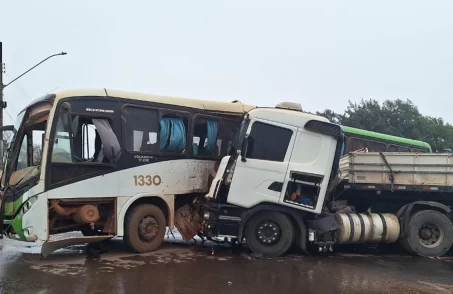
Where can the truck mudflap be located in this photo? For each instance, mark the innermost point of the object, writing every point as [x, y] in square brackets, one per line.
[50, 246]
[188, 222]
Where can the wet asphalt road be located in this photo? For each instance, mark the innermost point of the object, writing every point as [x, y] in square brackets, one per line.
[182, 268]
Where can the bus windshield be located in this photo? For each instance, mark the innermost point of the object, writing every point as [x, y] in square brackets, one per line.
[27, 132]
[10, 138]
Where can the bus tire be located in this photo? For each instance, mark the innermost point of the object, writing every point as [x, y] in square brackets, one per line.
[430, 234]
[269, 233]
[144, 228]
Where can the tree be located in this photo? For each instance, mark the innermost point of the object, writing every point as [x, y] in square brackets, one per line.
[37, 154]
[395, 117]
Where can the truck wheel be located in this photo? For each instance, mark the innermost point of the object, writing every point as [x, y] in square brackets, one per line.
[404, 242]
[269, 233]
[144, 228]
[430, 234]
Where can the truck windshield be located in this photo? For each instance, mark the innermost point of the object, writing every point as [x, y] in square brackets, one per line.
[239, 136]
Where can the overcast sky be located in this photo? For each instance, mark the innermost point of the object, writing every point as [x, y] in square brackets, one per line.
[317, 53]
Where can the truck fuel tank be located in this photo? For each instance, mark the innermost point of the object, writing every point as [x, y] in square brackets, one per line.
[358, 228]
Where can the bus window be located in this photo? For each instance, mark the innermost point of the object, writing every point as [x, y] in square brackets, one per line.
[145, 132]
[172, 134]
[93, 141]
[141, 129]
[38, 143]
[416, 150]
[22, 160]
[212, 137]
[372, 146]
[61, 152]
[227, 129]
[396, 148]
[205, 141]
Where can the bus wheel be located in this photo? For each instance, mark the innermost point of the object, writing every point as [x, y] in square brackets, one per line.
[269, 233]
[430, 234]
[144, 228]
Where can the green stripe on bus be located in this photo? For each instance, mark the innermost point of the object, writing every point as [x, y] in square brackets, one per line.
[389, 138]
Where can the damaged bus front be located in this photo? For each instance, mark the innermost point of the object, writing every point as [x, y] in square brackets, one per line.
[20, 182]
[110, 163]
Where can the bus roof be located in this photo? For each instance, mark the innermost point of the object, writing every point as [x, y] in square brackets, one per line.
[385, 137]
[231, 107]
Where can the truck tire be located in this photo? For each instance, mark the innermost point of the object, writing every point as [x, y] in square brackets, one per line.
[144, 228]
[430, 234]
[404, 242]
[269, 233]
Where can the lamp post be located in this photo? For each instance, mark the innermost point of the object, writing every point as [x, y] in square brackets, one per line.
[62, 53]
[2, 86]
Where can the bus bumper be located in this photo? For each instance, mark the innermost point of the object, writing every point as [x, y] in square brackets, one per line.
[30, 223]
[22, 235]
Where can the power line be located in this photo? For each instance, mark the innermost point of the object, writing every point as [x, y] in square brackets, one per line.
[12, 119]
[20, 90]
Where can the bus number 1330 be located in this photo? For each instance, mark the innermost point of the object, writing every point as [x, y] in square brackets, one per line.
[147, 180]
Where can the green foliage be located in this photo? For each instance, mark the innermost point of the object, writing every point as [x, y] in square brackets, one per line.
[395, 117]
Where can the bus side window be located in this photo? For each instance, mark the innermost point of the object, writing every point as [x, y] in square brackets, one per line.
[396, 148]
[227, 130]
[88, 144]
[416, 150]
[141, 129]
[392, 148]
[93, 137]
[61, 151]
[373, 146]
[145, 132]
[172, 134]
[205, 138]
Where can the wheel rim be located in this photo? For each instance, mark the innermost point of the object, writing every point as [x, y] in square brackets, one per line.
[430, 235]
[148, 229]
[268, 232]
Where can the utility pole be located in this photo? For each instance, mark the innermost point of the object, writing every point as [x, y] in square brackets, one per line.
[1, 88]
[1, 104]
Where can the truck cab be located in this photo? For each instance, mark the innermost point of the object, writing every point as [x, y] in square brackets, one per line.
[280, 167]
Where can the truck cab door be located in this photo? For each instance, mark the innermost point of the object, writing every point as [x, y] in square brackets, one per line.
[309, 169]
[260, 171]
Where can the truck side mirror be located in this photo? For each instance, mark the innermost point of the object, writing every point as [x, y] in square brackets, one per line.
[245, 145]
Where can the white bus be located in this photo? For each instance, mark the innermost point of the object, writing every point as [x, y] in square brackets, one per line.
[110, 163]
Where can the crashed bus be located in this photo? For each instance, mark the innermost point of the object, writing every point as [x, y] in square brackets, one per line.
[110, 163]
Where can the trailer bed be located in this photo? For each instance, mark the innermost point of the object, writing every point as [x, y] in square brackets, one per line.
[426, 171]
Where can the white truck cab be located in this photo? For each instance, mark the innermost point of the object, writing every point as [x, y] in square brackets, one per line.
[281, 164]
[286, 181]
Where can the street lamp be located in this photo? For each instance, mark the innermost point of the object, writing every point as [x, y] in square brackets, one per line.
[4, 86]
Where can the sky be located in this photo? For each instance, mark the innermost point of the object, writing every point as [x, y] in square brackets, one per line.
[317, 53]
